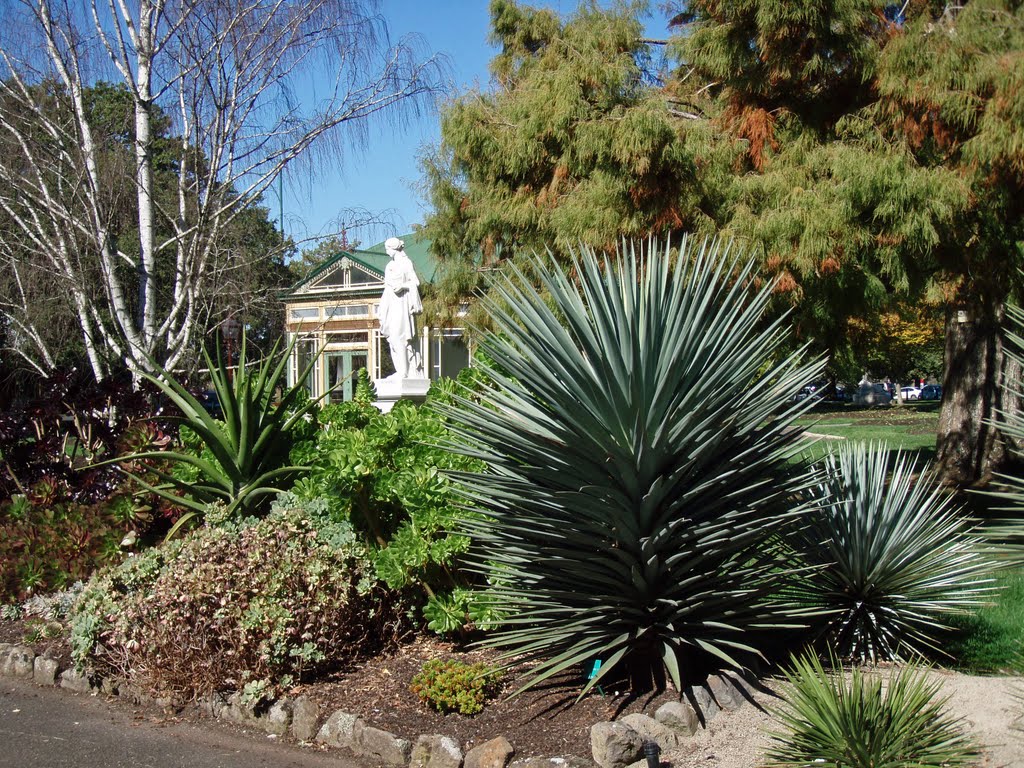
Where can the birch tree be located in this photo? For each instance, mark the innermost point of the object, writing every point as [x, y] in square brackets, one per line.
[243, 88]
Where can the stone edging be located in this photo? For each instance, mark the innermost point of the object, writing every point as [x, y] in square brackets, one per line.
[614, 744]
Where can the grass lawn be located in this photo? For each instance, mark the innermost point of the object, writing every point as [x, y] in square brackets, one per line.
[911, 426]
[992, 640]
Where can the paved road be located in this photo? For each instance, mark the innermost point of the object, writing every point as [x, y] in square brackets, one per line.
[51, 728]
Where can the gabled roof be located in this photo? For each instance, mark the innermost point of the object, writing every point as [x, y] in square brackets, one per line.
[417, 248]
[370, 261]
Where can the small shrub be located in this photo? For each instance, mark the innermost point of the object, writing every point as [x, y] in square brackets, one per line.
[388, 475]
[269, 600]
[454, 686]
[867, 722]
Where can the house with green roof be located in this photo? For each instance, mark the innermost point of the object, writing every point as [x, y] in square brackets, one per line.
[331, 315]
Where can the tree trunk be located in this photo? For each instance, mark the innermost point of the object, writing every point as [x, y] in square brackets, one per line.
[969, 444]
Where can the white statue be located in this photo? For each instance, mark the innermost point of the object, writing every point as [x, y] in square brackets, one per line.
[398, 304]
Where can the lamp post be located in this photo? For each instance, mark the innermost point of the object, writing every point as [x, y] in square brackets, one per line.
[230, 330]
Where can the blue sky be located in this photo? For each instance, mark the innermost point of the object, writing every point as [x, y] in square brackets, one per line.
[383, 178]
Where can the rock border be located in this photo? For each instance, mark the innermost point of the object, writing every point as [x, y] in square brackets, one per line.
[614, 744]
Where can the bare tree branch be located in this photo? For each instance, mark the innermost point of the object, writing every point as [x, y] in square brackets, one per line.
[224, 96]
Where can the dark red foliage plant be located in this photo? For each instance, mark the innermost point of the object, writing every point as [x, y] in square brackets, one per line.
[60, 516]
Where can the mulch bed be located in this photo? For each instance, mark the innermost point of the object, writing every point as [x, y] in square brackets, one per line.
[544, 721]
[23, 632]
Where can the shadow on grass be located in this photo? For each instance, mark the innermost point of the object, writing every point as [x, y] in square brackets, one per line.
[981, 645]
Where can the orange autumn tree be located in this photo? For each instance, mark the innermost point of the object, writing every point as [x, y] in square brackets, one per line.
[867, 158]
[903, 344]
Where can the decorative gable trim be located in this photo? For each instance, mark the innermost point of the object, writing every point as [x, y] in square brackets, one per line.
[344, 274]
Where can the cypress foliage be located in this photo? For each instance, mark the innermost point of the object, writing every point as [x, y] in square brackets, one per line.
[867, 162]
[571, 144]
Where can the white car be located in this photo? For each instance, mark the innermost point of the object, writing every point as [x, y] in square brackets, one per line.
[910, 393]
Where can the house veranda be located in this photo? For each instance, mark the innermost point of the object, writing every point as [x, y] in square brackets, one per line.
[332, 316]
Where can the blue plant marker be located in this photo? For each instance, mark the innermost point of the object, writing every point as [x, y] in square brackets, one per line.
[593, 673]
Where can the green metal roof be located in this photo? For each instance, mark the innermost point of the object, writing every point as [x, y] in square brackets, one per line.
[375, 258]
[417, 248]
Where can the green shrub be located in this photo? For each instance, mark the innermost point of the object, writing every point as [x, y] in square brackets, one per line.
[866, 723]
[454, 686]
[387, 474]
[636, 425]
[270, 600]
[888, 557]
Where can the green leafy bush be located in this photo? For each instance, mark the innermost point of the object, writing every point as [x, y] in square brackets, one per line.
[454, 686]
[888, 557]
[259, 600]
[636, 426]
[866, 722]
[385, 473]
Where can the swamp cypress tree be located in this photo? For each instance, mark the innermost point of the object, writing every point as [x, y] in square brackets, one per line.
[870, 160]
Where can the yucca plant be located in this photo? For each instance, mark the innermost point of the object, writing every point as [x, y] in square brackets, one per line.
[889, 556]
[246, 456]
[636, 422]
[1008, 491]
[865, 721]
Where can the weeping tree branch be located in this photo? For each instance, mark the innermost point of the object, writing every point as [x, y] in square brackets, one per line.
[130, 222]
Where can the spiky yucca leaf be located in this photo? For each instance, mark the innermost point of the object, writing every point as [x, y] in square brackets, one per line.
[1009, 493]
[636, 425]
[865, 722]
[890, 555]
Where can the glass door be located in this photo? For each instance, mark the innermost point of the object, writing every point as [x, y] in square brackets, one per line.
[341, 373]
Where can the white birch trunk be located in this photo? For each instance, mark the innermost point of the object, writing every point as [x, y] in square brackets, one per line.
[215, 72]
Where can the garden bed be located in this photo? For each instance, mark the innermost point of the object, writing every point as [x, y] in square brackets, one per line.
[542, 721]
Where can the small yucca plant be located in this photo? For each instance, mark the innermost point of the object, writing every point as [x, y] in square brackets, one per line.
[636, 422]
[865, 721]
[888, 556]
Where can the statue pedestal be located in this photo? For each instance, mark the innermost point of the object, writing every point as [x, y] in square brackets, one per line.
[390, 391]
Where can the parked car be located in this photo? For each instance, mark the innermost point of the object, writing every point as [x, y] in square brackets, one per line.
[809, 391]
[872, 394]
[931, 392]
[910, 393]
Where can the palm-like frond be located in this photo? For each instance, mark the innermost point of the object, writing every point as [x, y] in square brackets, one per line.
[636, 425]
[889, 555]
[866, 722]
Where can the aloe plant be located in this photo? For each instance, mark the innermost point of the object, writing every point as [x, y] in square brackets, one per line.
[888, 555]
[636, 422]
[866, 721]
[246, 456]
